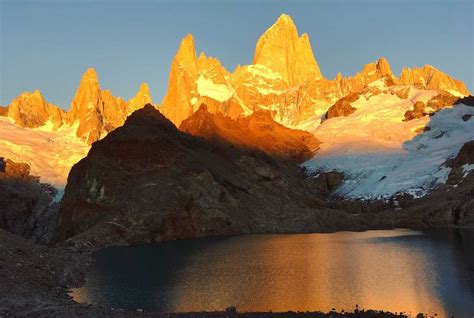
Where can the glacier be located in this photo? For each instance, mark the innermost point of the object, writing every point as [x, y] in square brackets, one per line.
[381, 155]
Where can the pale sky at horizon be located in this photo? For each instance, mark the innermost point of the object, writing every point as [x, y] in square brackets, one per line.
[48, 44]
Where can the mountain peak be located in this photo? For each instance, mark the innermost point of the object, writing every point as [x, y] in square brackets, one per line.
[186, 54]
[285, 19]
[383, 66]
[281, 50]
[144, 89]
[90, 75]
[141, 98]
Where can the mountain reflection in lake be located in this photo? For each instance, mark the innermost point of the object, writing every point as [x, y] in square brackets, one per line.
[395, 270]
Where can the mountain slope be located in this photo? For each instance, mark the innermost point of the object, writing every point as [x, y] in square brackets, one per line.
[257, 131]
[381, 153]
[147, 182]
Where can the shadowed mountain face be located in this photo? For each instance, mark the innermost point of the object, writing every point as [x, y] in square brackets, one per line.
[148, 182]
[258, 131]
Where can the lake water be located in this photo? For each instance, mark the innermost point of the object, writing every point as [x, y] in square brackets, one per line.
[395, 270]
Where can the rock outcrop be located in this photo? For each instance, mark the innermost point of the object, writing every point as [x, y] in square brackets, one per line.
[26, 206]
[342, 107]
[465, 157]
[147, 182]
[31, 110]
[257, 131]
[3, 111]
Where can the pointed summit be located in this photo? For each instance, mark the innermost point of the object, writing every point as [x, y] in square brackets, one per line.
[186, 55]
[90, 77]
[140, 99]
[383, 67]
[176, 105]
[281, 50]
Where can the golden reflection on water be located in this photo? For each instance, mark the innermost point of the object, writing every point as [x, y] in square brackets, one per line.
[307, 272]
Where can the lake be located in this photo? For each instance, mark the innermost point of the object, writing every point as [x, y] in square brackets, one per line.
[394, 270]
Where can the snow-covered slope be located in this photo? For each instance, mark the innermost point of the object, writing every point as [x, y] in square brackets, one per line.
[50, 153]
[382, 155]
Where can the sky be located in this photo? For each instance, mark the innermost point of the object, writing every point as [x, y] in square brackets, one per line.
[48, 44]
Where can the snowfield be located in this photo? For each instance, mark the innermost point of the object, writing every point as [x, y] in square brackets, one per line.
[50, 154]
[381, 155]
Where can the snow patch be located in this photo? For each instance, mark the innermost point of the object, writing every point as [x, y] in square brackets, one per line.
[455, 93]
[50, 153]
[219, 92]
[263, 71]
[466, 169]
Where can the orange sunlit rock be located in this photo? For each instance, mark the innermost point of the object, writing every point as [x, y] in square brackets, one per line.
[257, 131]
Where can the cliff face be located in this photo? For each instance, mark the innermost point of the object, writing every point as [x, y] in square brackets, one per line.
[181, 187]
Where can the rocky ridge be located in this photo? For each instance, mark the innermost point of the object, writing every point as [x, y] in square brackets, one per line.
[284, 79]
[222, 190]
[94, 111]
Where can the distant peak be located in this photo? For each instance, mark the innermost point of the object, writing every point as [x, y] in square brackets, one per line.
[284, 19]
[90, 76]
[186, 54]
[144, 88]
[37, 93]
[281, 49]
[187, 45]
[90, 72]
[383, 66]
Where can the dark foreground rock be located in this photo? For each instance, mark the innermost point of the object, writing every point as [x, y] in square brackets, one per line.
[148, 182]
[26, 205]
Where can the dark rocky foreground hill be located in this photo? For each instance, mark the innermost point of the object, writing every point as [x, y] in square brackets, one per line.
[148, 182]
